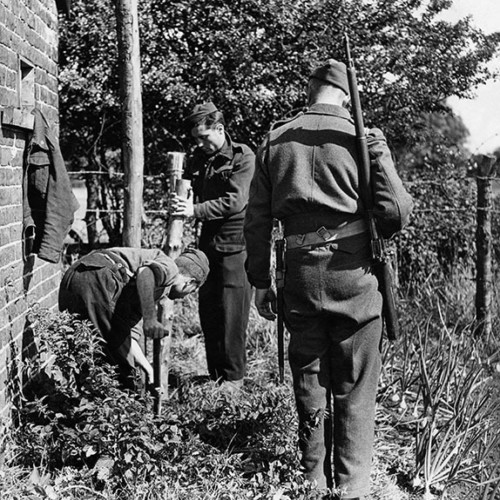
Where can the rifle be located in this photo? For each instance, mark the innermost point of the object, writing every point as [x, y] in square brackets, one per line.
[280, 283]
[382, 267]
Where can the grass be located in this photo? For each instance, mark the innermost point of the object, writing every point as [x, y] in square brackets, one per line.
[435, 423]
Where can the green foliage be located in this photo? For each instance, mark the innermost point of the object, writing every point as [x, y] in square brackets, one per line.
[75, 415]
[440, 239]
[81, 437]
[457, 428]
[78, 432]
[253, 57]
[442, 382]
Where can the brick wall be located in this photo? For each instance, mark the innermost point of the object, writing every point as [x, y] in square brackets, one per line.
[28, 77]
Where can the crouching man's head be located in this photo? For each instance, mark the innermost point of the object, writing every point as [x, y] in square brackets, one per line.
[193, 271]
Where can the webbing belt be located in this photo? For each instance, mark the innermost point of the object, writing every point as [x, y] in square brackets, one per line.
[117, 262]
[325, 235]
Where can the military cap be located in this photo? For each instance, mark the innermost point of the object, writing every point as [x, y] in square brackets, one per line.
[334, 73]
[200, 111]
[195, 263]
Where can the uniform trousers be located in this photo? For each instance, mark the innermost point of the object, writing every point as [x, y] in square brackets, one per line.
[224, 306]
[333, 313]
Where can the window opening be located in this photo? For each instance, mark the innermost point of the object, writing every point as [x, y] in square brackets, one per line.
[26, 85]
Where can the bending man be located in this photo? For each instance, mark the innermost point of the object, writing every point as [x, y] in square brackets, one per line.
[117, 290]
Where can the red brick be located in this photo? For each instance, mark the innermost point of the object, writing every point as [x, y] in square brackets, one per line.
[28, 29]
[3, 77]
[3, 14]
[7, 255]
[15, 232]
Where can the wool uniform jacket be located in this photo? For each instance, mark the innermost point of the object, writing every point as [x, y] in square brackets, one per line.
[309, 165]
[221, 184]
[49, 203]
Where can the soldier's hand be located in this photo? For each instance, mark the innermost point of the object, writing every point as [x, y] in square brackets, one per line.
[154, 329]
[181, 206]
[264, 298]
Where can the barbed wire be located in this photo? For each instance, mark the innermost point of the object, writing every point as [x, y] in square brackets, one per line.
[118, 174]
[415, 210]
[107, 211]
[413, 181]
[421, 210]
[408, 182]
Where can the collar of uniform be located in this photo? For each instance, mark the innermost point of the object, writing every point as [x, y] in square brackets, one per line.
[226, 150]
[328, 109]
[41, 130]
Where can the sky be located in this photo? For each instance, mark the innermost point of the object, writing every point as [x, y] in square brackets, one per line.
[481, 115]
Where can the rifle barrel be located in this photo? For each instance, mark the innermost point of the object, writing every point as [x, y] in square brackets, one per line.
[382, 267]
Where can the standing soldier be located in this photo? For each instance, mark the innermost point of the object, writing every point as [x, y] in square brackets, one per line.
[221, 171]
[307, 177]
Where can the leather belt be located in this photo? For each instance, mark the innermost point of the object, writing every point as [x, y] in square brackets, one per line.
[324, 235]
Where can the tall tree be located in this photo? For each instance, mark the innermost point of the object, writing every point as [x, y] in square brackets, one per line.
[253, 57]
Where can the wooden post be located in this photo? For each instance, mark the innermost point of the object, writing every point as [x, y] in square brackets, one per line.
[173, 248]
[132, 141]
[484, 279]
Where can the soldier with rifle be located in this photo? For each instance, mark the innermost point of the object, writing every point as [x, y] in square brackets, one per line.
[309, 176]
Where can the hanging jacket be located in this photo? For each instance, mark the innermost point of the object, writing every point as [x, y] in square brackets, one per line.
[49, 203]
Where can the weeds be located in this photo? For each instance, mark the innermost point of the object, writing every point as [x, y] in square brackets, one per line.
[81, 437]
[79, 433]
[457, 411]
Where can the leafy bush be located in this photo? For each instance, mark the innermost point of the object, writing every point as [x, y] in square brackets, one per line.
[78, 432]
[81, 437]
[252, 58]
[439, 241]
[76, 415]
